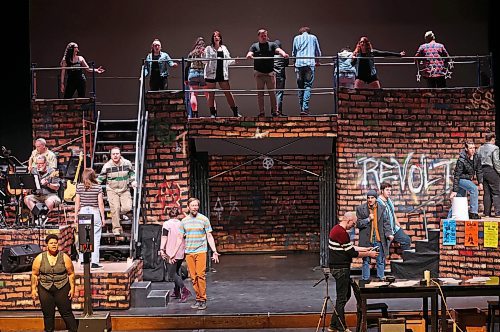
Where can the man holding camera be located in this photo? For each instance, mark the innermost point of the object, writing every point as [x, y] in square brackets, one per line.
[374, 230]
[342, 251]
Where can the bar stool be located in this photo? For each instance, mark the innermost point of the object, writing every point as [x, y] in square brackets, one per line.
[493, 308]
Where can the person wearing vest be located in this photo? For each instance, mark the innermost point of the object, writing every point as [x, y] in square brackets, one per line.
[53, 283]
[374, 229]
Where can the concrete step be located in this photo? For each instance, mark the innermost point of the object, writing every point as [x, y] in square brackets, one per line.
[139, 290]
[156, 298]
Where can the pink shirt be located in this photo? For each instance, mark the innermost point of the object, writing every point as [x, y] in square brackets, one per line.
[168, 242]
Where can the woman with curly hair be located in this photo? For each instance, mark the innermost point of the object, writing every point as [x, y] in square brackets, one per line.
[194, 74]
[73, 64]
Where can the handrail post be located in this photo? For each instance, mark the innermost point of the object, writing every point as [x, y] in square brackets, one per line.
[478, 62]
[93, 94]
[492, 75]
[184, 79]
[336, 85]
[33, 81]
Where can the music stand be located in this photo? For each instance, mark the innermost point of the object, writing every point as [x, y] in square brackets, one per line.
[22, 181]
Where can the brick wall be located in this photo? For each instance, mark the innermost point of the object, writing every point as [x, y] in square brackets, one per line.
[257, 209]
[167, 154]
[10, 237]
[109, 290]
[59, 121]
[410, 138]
[461, 261]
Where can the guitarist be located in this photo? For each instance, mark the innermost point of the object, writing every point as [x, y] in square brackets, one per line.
[42, 150]
[49, 183]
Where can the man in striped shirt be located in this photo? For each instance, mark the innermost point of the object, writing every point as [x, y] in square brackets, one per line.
[342, 251]
[305, 45]
[119, 175]
[197, 231]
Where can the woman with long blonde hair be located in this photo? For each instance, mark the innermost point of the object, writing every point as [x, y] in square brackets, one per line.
[89, 200]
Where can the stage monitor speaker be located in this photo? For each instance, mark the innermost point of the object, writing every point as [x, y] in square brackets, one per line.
[40, 209]
[392, 324]
[19, 258]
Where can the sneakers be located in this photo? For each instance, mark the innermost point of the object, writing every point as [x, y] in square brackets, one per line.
[176, 294]
[474, 216]
[117, 231]
[125, 217]
[305, 112]
[331, 329]
[184, 294]
[96, 266]
[199, 305]
[262, 114]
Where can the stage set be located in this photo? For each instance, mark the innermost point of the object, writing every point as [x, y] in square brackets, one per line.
[273, 192]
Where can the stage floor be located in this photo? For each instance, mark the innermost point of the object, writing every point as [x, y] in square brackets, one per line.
[262, 284]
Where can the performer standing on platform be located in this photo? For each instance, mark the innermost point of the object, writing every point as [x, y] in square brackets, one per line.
[305, 45]
[398, 234]
[197, 231]
[342, 251]
[170, 233]
[119, 175]
[366, 73]
[194, 74]
[217, 71]
[490, 162]
[434, 71]
[374, 229]
[264, 69]
[53, 282]
[89, 200]
[280, 65]
[42, 150]
[467, 168]
[49, 183]
[74, 64]
[156, 67]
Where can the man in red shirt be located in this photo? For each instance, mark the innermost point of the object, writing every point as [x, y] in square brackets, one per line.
[342, 251]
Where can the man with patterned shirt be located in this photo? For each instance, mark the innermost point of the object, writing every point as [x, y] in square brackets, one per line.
[197, 231]
[434, 71]
[119, 176]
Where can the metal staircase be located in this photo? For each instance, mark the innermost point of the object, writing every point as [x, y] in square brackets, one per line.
[130, 137]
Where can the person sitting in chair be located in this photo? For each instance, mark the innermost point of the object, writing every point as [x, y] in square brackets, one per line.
[49, 185]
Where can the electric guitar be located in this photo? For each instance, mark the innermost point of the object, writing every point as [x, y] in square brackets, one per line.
[70, 191]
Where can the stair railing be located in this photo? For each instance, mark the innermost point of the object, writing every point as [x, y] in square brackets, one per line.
[420, 209]
[139, 164]
[92, 158]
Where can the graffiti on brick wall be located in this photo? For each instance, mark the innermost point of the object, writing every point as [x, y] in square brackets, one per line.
[413, 174]
[284, 207]
[481, 99]
[230, 206]
[169, 195]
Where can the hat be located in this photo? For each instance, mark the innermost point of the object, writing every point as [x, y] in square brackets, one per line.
[372, 193]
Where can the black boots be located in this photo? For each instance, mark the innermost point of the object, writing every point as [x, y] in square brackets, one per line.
[235, 112]
[213, 112]
[474, 216]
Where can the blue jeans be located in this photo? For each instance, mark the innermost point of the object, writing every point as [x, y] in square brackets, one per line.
[403, 239]
[343, 288]
[365, 270]
[305, 79]
[467, 186]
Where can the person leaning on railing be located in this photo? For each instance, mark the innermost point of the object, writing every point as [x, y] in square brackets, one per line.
[73, 64]
[366, 73]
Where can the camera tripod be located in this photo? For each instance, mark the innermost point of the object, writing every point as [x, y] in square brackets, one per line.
[326, 299]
